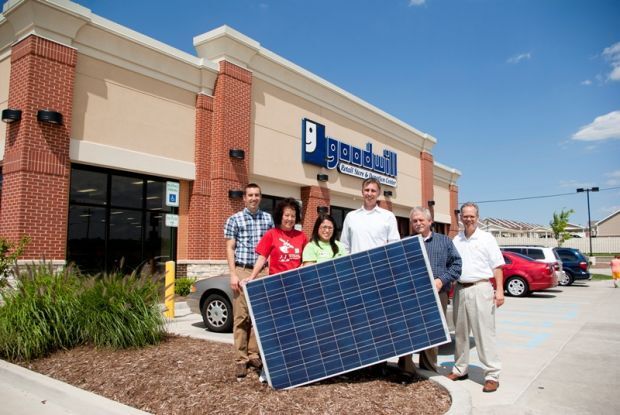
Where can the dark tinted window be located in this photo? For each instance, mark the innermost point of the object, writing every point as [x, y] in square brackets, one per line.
[517, 250]
[535, 253]
[507, 260]
[117, 218]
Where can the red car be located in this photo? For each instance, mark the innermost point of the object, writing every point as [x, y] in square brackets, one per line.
[522, 275]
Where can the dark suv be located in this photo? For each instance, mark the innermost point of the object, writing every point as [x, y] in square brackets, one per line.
[575, 265]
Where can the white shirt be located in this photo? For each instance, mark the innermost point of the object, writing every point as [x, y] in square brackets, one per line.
[480, 255]
[366, 229]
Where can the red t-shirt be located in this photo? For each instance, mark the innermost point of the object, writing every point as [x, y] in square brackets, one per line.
[283, 249]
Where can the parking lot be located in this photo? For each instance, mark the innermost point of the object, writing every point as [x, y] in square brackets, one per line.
[560, 351]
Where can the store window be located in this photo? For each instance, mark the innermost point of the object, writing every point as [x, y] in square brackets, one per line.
[117, 221]
[268, 203]
[339, 213]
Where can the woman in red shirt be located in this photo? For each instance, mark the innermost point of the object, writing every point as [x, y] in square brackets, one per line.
[283, 245]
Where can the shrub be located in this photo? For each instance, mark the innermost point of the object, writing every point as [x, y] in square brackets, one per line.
[41, 314]
[121, 311]
[9, 252]
[182, 286]
[50, 310]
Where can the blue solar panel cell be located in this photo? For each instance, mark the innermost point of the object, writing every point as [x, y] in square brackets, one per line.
[323, 320]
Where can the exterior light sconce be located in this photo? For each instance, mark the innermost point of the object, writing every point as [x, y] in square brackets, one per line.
[322, 209]
[431, 203]
[387, 193]
[322, 177]
[10, 115]
[235, 194]
[49, 116]
[236, 153]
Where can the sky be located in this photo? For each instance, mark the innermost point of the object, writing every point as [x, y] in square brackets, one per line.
[523, 96]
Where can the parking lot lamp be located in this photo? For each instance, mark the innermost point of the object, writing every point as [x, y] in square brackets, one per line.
[588, 190]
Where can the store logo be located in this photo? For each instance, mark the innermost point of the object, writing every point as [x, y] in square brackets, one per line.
[324, 151]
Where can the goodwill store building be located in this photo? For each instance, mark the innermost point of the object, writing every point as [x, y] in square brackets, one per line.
[118, 146]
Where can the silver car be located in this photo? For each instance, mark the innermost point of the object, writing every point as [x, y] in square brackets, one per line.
[213, 298]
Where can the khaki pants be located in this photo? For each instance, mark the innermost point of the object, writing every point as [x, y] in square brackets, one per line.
[243, 334]
[428, 357]
[474, 310]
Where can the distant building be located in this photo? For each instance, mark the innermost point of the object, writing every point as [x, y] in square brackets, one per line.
[507, 228]
[609, 226]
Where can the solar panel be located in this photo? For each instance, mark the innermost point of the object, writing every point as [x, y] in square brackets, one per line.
[323, 320]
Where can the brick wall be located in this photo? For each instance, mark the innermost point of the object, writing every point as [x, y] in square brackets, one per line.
[222, 123]
[312, 197]
[36, 163]
[426, 175]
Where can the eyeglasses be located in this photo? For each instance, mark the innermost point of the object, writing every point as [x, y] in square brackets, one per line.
[326, 228]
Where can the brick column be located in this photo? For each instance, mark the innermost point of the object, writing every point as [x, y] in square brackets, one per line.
[36, 164]
[312, 197]
[426, 175]
[454, 204]
[232, 110]
[197, 231]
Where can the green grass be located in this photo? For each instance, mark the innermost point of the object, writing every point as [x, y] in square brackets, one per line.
[601, 277]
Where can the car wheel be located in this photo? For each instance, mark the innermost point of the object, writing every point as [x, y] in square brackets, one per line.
[516, 287]
[217, 314]
[567, 279]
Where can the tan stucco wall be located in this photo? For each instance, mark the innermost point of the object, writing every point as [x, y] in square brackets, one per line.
[276, 146]
[5, 73]
[610, 227]
[442, 203]
[119, 108]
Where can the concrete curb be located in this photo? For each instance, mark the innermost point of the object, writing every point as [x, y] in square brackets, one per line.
[26, 392]
[461, 398]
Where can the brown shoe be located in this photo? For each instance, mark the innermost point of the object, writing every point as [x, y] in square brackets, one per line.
[490, 386]
[256, 363]
[241, 370]
[454, 376]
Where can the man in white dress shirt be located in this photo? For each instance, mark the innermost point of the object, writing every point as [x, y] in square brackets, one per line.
[475, 300]
[369, 226]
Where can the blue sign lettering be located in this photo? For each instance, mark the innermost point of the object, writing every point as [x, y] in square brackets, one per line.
[324, 151]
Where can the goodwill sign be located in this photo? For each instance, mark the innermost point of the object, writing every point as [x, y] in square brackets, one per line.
[324, 151]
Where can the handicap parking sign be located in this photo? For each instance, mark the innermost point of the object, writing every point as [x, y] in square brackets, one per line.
[172, 194]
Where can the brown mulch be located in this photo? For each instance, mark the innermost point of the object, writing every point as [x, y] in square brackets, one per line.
[183, 375]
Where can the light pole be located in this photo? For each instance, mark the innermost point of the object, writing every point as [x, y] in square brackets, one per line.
[588, 190]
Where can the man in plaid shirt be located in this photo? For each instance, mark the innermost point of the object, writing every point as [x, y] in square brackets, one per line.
[242, 231]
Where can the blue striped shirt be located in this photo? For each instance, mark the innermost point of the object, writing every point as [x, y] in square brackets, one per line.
[247, 229]
[445, 260]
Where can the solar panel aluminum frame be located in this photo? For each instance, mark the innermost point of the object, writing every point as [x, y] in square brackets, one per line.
[424, 276]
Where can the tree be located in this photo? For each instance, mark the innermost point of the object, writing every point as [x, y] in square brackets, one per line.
[558, 225]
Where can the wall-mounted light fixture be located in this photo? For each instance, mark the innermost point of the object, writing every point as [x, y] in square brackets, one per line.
[387, 193]
[322, 177]
[322, 209]
[235, 194]
[49, 116]
[457, 211]
[431, 203]
[236, 153]
[10, 115]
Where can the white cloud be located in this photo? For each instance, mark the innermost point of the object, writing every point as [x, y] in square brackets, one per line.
[612, 55]
[416, 2]
[608, 210]
[602, 128]
[587, 82]
[614, 178]
[518, 58]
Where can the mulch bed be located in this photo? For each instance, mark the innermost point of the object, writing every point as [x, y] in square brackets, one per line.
[183, 375]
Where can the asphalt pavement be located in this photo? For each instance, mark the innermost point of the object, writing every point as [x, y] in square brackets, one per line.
[560, 351]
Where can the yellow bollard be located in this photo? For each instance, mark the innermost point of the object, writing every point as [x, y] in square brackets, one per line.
[169, 292]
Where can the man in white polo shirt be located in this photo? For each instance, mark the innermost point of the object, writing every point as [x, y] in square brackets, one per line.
[475, 300]
[369, 226]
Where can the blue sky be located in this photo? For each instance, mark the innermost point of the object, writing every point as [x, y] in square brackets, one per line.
[523, 96]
